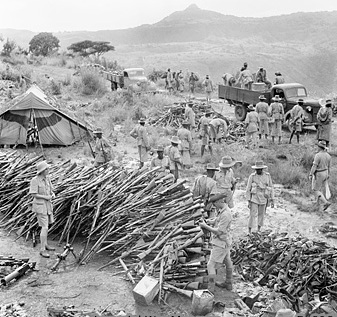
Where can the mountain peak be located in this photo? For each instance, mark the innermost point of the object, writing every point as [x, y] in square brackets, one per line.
[192, 7]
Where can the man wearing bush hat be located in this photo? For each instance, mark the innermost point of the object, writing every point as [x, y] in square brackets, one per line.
[42, 191]
[319, 175]
[102, 149]
[190, 117]
[139, 133]
[205, 132]
[262, 110]
[173, 154]
[259, 192]
[205, 185]
[221, 242]
[160, 160]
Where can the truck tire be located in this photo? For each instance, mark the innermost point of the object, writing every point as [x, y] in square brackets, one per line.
[240, 112]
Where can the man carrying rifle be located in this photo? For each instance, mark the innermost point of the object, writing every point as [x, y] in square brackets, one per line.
[221, 242]
[42, 192]
[139, 132]
[102, 149]
[205, 186]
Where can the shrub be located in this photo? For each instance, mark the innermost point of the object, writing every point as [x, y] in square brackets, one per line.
[91, 83]
[55, 88]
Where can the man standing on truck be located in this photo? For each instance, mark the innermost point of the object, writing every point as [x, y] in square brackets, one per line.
[296, 120]
[139, 132]
[246, 79]
[279, 79]
[208, 84]
[261, 77]
[262, 110]
[324, 120]
[277, 114]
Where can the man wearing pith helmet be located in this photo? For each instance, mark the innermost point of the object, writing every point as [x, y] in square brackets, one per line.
[139, 133]
[259, 193]
[42, 191]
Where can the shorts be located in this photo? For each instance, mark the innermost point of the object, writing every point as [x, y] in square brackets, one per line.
[218, 254]
[44, 220]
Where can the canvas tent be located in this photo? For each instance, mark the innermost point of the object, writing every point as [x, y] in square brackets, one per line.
[34, 108]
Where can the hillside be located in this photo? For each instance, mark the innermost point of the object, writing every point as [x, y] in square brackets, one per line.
[301, 45]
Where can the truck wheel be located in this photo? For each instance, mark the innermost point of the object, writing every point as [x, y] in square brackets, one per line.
[240, 112]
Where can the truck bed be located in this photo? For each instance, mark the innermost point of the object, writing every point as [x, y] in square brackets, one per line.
[236, 95]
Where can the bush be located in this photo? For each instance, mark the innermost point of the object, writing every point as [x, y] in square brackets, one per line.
[91, 83]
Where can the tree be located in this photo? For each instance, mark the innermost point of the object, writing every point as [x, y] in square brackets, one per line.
[8, 47]
[86, 48]
[44, 44]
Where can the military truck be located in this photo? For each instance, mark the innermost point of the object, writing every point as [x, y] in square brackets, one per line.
[290, 93]
[133, 79]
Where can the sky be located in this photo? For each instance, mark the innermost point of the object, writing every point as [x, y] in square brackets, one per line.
[93, 15]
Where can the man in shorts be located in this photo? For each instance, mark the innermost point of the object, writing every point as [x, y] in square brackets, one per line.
[42, 192]
[221, 242]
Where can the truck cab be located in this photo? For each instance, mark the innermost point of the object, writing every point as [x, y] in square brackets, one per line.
[290, 93]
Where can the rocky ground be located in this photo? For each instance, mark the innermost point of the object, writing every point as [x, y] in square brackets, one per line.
[87, 288]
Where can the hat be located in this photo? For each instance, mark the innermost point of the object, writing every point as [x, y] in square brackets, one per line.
[208, 112]
[245, 64]
[185, 122]
[190, 104]
[261, 67]
[322, 144]
[217, 196]
[141, 120]
[251, 107]
[261, 97]
[276, 98]
[278, 74]
[160, 148]
[98, 130]
[41, 167]
[227, 161]
[211, 167]
[259, 165]
[300, 100]
[328, 102]
[285, 313]
[175, 140]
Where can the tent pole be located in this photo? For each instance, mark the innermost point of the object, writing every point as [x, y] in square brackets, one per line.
[38, 134]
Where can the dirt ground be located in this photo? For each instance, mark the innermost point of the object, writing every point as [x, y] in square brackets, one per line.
[87, 288]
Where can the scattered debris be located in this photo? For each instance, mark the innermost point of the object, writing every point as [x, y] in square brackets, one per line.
[71, 311]
[13, 310]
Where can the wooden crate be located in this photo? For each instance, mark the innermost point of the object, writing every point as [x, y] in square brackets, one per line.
[146, 290]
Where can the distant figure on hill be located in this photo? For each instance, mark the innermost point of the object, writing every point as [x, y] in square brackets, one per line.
[208, 84]
[261, 77]
[228, 79]
[279, 79]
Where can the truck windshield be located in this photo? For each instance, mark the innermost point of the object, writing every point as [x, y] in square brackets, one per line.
[296, 92]
[136, 73]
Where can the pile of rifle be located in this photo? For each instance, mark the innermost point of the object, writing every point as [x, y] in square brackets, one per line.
[173, 115]
[236, 131]
[329, 229]
[13, 310]
[293, 266]
[71, 311]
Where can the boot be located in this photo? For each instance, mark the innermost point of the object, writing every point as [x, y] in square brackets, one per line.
[211, 283]
[229, 280]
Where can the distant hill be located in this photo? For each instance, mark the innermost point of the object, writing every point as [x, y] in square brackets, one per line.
[301, 45]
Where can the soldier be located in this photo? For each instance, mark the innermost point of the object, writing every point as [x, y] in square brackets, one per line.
[221, 242]
[208, 84]
[192, 82]
[228, 79]
[169, 80]
[319, 175]
[225, 179]
[172, 152]
[246, 78]
[160, 160]
[139, 132]
[262, 110]
[324, 120]
[218, 127]
[204, 132]
[261, 77]
[259, 193]
[205, 186]
[190, 117]
[277, 114]
[102, 149]
[296, 120]
[185, 146]
[279, 79]
[42, 191]
[252, 126]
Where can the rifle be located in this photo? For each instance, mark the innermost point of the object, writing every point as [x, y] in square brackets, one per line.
[10, 261]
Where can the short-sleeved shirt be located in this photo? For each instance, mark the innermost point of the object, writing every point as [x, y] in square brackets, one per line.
[223, 223]
[204, 186]
[262, 110]
[190, 116]
[259, 188]
[225, 181]
[163, 163]
[185, 137]
[252, 119]
[173, 153]
[140, 133]
[277, 110]
[321, 162]
[100, 146]
[42, 186]
[204, 123]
